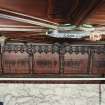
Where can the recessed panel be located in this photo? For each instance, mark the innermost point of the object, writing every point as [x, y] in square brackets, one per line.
[98, 64]
[46, 63]
[16, 62]
[75, 59]
[75, 63]
[15, 59]
[46, 59]
[98, 60]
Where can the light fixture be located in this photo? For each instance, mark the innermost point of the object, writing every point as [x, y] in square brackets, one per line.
[86, 27]
[71, 31]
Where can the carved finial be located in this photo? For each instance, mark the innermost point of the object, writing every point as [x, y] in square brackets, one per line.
[2, 41]
[94, 36]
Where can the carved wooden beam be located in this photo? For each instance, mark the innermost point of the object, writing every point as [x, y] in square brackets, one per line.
[6, 14]
[83, 11]
[92, 10]
[21, 29]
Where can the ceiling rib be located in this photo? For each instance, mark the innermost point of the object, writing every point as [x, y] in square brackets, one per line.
[93, 10]
[2, 10]
[83, 11]
[4, 16]
[73, 8]
[23, 19]
[21, 29]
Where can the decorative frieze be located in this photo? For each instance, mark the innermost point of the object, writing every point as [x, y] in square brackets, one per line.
[42, 58]
[76, 49]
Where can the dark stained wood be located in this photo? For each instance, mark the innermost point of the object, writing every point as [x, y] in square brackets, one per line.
[73, 11]
[59, 11]
[84, 8]
[36, 8]
[16, 63]
[53, 81]
[97, 17]
[34, 59]
[98, 64]
[62, 11]
[75, 63]
[48, 61]
[11, 22]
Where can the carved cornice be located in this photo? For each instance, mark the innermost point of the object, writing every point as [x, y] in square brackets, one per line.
[53, 48]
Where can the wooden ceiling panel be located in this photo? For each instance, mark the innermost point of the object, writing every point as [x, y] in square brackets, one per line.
[60, 11]
[73, 11]
[84, 9]
[36, 8]
[97, 16]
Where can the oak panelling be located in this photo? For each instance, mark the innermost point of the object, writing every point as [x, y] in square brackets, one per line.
[46, 63]
[74, 63]
[15, 60]
[76, 59]
[46, 59]
[98, 60]
[56, 59]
